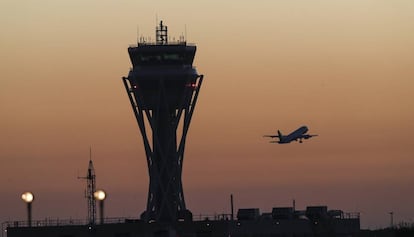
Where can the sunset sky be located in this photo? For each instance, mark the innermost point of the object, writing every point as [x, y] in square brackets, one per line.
[344, 68]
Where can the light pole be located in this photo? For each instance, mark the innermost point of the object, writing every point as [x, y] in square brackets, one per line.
[100, 195]
[28, 198]
[391, 219]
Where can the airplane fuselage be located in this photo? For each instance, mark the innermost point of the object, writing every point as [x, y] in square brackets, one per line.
[298, 134]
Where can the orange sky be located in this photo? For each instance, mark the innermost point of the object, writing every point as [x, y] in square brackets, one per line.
[344, 68]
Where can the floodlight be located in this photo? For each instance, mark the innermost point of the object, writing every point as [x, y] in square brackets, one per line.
[28, 197]
[100, 195]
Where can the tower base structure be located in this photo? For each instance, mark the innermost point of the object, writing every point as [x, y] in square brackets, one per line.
[184, 215]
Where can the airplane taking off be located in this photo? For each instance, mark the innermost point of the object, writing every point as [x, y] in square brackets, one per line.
[296, 135]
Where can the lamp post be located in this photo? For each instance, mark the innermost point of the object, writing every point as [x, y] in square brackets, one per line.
[100, 195]
[391, 219]
[28, 198]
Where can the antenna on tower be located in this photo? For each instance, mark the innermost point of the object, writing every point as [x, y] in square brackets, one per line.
[161, 34]
[185, 33]
[137, 34]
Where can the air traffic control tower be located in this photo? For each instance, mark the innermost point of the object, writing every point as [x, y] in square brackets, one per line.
[163, 87]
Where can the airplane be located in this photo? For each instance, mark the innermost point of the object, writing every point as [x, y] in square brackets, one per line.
[296, 135]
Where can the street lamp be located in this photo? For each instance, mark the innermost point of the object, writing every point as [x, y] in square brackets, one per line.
[28, 198]
[392, 219]
[100, 195]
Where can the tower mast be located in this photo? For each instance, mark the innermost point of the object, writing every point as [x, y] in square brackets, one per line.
[90, 190]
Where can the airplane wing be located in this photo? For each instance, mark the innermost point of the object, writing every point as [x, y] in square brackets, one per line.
[307, 136]
[272, 136]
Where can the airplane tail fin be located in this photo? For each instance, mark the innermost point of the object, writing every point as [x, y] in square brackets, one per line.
[279, 133]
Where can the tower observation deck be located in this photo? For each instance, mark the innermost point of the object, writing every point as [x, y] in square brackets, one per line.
[163, 87]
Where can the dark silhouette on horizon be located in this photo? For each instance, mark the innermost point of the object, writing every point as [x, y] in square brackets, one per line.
[163, 88]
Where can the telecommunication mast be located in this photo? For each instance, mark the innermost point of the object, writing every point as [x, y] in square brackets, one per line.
[90, 190]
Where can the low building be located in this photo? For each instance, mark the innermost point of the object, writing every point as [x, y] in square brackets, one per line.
[282, 222]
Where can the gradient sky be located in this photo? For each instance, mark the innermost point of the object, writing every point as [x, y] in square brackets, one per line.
[344, 68]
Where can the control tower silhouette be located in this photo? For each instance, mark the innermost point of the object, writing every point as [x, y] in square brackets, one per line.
[163, 87]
